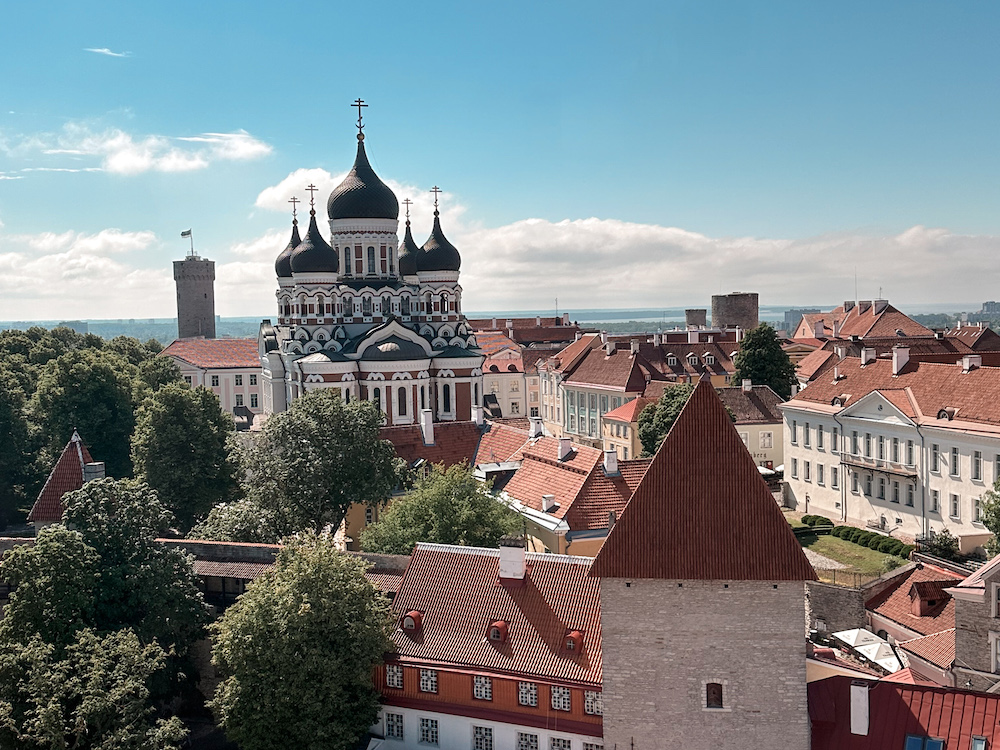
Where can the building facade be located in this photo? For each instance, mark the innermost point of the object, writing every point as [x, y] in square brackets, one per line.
[230, 368]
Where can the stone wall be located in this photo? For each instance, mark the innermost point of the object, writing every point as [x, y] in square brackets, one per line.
[830, 608]
[664, 640]
[736, 309]
[972, 644]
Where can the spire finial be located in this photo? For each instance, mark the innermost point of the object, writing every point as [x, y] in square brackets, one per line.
[436, 190]
[295, 209]
[407, 203]
[312, 198]
[359, 103]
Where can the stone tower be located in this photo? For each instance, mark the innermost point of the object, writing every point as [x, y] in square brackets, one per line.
[703, 601]
[195, 278]
[735, 309]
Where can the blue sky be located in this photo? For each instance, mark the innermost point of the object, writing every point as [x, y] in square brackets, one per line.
[612, 155]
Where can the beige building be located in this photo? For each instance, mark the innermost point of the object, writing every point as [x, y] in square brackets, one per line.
[230, 368]
[758, 421]
[621, 428]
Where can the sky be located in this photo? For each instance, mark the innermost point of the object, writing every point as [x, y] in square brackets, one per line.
[634, 154]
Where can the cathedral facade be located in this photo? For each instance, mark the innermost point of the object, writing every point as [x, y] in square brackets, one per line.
[378, 319]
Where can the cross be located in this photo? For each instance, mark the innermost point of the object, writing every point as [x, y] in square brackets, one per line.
[294, 201]
[407, 202]
[436, 190]
[359, 103]
[312, 195]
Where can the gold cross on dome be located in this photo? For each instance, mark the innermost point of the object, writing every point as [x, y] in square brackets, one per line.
[359, 103]
[436, 190]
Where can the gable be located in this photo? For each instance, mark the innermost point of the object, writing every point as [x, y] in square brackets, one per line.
[877, 407]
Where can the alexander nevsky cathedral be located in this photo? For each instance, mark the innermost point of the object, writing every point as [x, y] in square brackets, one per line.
[376, 318]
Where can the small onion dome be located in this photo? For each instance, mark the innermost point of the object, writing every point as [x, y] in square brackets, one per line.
[408, 252]
[362, 195]
[283, 263]
[314, 255]
[438, 254]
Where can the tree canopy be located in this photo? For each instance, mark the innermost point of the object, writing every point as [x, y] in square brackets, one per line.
[181, 449]
[297, 650]
[15, 456]
[762, 361]
[989, 515]
[447, 506]
[657, 418]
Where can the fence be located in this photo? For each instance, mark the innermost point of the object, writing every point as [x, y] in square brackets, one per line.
[847, 578]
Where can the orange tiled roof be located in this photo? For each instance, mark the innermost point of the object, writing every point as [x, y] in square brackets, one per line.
[601, 494]
[758, 406]
[629, 411]
[454, 442]
[66, 476]
[541, 473]
[621, 370]
[702, 491]
[895, 603]
[500, 443]
[491, 342]
[567, 357]
[458, 591]
[936, 648]
[503, 364]
[215, 354]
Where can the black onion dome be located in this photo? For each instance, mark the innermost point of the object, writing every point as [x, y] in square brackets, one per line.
[283, 263]
[408, 252]
[362, 195]
[314, 255]
[438, 254]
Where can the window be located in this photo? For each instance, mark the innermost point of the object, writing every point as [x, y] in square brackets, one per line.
[385, 307]
[527, 693]
[854, 481]
[868, 445]
[935, 499]
[895, 450]
[593, 746]
[913, 742]
[868, 485]
[954, 506]
[401, 401]
[515, 407]
[533, 411]
[713, 695]
[593, 702]
[795, 468]
[909, 453]
[766, 439]
[369, 515]
[819, 437]
[514, 387]
[371, 260]
[745, 437]
[394, 676]
[239, 399]
[428, 681]
[446, 397]
[428, 731]
[394, 726]
[909, 495]
[881, 488]
[604, 404]
[854, 442]
[215, 381]
[187, 379]
[806, 474]
[834, 477]
[482, 688]
[527, 741]
[795, 432]
[561, 698]
[954, 462]
[978, 743]
[239, 379]
[593, 402]
[482, 738]
[820, 479]
[835, 441]
[976, 509]
[977, 465]
[895, 492]
[935, 458]
[366, 306]
[805, 435]
[560, 743]
[253, 401]
[881, 448]
[253, 380]
[404, 306]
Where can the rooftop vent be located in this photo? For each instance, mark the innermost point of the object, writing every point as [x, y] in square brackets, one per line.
[573, 641]
[565, 448]
[971, 362]
[948, 413]
[512, 558]
[611, 463]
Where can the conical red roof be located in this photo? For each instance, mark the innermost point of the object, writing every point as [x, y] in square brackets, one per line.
[702, 511]
[66, 476]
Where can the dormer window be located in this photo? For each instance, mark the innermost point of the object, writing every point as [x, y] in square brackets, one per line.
[497, 632]
[573, 641]
[412, 621]
[672, 361]
[709, 359]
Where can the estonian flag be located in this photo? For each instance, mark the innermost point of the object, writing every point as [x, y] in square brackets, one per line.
[186, 233]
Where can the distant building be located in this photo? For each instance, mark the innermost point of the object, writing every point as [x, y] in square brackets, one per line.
[794, 316]
[74, 467]
[195, 279]
[228, 367]
[80, 326]
[990, 308]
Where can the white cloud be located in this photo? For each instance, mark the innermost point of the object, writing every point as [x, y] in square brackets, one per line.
[106, 51]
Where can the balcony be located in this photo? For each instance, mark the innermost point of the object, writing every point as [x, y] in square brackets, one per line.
[879, 465]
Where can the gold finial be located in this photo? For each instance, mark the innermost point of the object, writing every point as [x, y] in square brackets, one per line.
[436, 190]
[359, 103]
[407, 203]
[295, 208]
[312, 198]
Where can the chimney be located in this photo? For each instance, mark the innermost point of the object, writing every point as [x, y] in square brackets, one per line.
[900, 356]
[880, 305]
[739, 334]
[565, 448]
[512, 555]
[859, 708]
[971, 362]
[863, 306]
[609, 348]
[657, 339]
[867, 355]
[611, 463]
[536, 430]
[939, 335]
[509, 325]
[577, 336]
[747, 385]
[538, 321]
[604, 337]
[634, 346]
[841, 352]
[819, 330]
[427, 426]
[836, 328]
[565, 319]
[93, 471]
[493, 325]
[836, 373]
[693, 336]
[478, 413]
[848, 305]
[549, 503]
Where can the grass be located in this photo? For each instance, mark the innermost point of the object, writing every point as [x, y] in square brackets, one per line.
[858, 559]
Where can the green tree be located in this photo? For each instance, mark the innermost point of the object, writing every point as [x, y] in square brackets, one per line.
[157, 372]
[93, 391]
[944, 545]
[448, 506]
[989, 514]
[94, 695]
[762, 361]
[297, 650]
[15, 458]
[243, 520]
[657, 418]
[180, 448]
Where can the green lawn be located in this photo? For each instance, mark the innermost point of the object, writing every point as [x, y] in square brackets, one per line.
[861, 560]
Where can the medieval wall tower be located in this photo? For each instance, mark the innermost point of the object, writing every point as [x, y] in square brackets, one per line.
[195, 279]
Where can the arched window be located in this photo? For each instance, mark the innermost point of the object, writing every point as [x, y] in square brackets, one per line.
[446, 397]
[348, 307]
[713, 695]
[347, 260]
[366, 306]
[377, 397]
[404, 306]
[475, 393]
[428, 306]
[401, 401]
[371, 261]
[444, 304]
[385, 305]
[423, 397]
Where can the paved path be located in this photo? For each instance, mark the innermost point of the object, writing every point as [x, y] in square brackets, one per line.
[822, 561]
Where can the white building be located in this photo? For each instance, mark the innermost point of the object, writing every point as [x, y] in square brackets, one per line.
[228, 367]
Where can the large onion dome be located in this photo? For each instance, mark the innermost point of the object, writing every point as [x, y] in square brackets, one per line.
[314, 255]
[438, 254]
[408, 252]
[283, 263]
[362, 195]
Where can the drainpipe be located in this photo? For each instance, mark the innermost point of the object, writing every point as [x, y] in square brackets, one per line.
[843, 477]
[924, 522]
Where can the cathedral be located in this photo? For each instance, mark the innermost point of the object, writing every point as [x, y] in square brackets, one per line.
[376, 318]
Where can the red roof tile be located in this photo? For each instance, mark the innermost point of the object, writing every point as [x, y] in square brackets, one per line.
[908, 677]
[541, 473]
[896, 603]
[66, 476]
[936, 648]
[458, 591]
[491, 342]
[621, 370]
[629, 411]
[214, 354]
[454, 442]
[702, 510]
[568, 357]
[245, 571]
[601, 495]
[757, 406]
[500, 443]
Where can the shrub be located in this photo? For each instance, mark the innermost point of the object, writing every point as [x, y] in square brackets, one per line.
[905, 551]
[839, 531]
[890, 563]
[821, 521]
[862, 537]
[876, 541]
[888, 545]
[807, 519]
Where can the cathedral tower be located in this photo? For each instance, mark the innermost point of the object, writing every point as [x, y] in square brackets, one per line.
[195, 279]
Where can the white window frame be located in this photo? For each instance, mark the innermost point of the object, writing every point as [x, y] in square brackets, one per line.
[428, 681]
[954, 470]
[834, 478]
[393, 726]
[527, 741]
[766, 439]
[429, 732]
[977, 466]
[955, 505]
[482, 688]
[394, 676]
[561, 698]
[593, 702]
[527, 694]
[482, 738]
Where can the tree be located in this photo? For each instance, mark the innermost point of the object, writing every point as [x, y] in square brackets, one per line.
[762, 361]
[297, 650]
[92, 696]
[943, 545]
[243, 521]
[448, 506]
[15, 459]
[180, 448]
[657, 418]
[158, 372]
[95, 392]
[989, 514]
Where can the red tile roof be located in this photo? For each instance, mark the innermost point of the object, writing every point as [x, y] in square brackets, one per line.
[980, 339]
[683, 369]
[529, 322]
[601, 495]
[541, 473]
[702, 510]
[936, 648]
[621, 370]
[66, 476]
[896, 603]
[491, 342]
[814, 362]
[757, 406]
[896, 710]
[500, 443]
[629, 411]
[454, 442]
[503, 364]
[532, 356]
[458, 591]
[568, 357]
[863, 323]
[246, 571]
[908, 677]
[545, 334]
[215, 354]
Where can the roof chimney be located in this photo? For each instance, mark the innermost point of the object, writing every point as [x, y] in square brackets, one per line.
[971, 362]
[693, 336]
[538, 321]
[634, 346]
[819, 330]
[565, 448]
[611, 463]
[836, 328]
[880, 305]
[859, 708]
[93, 471]
[427, 426]
[747, 385]
[867, 355]
[841, 352]
[493, 325]
[848, 305]
[863, 306]
[512, 558]
[577, 336]
[565, 319]
[657, 339]
[609, 348]
[900, 356]
[604, 337]
[478, 413]
[549, 504]
[536, 430]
